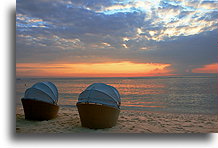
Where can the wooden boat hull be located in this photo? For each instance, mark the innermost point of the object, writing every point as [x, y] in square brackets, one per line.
[97, 116]
[38, 110]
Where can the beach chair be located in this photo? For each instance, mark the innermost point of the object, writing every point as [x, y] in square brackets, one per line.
[40, 101]
[99, 106]
[39, 110]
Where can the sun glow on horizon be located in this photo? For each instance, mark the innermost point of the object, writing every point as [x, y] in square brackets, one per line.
[210, 68]
[121, 69]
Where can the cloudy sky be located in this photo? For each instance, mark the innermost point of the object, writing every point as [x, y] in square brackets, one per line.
[94, 38]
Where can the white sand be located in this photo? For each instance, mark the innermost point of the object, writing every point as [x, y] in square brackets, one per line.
[68, 121]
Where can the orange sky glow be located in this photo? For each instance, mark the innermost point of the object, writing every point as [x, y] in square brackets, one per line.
[122, 69]
[211, 68]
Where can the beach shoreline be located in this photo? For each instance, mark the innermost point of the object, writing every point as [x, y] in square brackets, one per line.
[68, 121]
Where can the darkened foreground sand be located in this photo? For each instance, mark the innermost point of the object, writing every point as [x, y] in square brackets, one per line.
[68, 121]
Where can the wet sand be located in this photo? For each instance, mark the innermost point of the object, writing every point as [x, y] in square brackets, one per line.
[68, 121]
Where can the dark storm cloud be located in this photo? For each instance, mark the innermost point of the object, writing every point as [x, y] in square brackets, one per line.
[188, 52]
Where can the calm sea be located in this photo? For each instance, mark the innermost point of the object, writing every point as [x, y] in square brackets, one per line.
[196, 95]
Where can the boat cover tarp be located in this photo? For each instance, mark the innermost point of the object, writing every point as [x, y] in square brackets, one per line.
[43, 91]
[100, 93]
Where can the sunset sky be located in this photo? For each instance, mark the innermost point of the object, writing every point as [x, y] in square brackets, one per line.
[115, 38]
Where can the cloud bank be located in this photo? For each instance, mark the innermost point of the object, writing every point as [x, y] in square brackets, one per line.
[180, 33]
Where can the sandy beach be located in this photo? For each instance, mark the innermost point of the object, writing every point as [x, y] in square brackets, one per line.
[68, 121]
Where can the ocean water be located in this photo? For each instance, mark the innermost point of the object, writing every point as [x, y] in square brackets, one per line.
[192, 95]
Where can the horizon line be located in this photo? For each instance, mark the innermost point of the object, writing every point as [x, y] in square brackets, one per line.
[189, 75]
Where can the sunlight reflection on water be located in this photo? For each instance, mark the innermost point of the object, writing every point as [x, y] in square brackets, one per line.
[185, 95]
